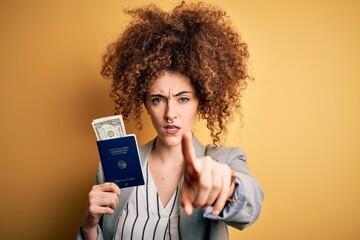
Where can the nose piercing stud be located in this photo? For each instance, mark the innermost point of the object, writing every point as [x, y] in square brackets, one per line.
[170, 120]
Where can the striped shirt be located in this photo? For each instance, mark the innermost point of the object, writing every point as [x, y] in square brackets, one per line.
[144, 216]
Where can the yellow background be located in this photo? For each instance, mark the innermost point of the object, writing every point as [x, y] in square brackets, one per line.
[301, 114]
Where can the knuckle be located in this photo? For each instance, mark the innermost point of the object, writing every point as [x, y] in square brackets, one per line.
[205, 185]
[114, 196]
[92, 209]
[216, 186]
[91, 194]
[223, 167]
[113, 202]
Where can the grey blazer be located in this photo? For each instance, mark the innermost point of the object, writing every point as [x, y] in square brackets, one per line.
[202, 224]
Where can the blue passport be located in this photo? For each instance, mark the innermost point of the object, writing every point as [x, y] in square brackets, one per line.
[120, 161]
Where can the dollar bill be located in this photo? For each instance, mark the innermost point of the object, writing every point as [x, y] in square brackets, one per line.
[109, 127]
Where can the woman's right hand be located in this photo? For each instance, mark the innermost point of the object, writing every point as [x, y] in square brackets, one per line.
[103, 199]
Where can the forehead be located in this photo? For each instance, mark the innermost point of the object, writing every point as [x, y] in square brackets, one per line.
[171, 81]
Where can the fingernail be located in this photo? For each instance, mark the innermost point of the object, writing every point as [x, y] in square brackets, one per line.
[215, 212]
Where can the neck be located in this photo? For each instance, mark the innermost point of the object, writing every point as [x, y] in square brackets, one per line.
[166, 154]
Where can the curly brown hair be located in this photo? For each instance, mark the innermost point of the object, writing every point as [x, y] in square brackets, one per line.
[197, 40]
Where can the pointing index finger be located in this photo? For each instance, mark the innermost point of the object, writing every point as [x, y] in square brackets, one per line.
[188, 153]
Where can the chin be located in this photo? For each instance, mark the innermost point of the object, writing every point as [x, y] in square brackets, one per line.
[170, 141]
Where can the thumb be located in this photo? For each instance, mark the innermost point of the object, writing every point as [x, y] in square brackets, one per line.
[189, 154]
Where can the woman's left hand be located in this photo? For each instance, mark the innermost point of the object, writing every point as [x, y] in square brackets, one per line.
[206, 182]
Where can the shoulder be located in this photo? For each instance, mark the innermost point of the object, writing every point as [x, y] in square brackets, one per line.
[225, 152]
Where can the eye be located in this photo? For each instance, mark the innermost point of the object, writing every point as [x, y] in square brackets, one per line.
[184, 99]
[156, 100]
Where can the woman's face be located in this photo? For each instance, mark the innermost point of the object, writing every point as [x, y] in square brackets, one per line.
[172, 105]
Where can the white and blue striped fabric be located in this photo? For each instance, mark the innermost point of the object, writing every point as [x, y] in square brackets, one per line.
[145, 217]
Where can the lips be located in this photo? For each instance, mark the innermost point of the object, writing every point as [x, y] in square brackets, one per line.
[171, 129]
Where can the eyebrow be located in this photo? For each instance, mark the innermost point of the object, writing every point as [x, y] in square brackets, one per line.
[176, 95]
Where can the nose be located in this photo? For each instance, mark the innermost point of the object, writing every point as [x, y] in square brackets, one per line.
[170, 111]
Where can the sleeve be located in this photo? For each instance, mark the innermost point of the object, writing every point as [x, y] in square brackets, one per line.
[248, 194]
[79, 235]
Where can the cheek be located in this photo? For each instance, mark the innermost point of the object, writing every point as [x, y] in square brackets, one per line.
[196, 110]
[154, 122]
[191, 116]
[156, 116]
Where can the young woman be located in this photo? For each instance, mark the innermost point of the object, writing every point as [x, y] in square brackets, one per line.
[181, 65]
